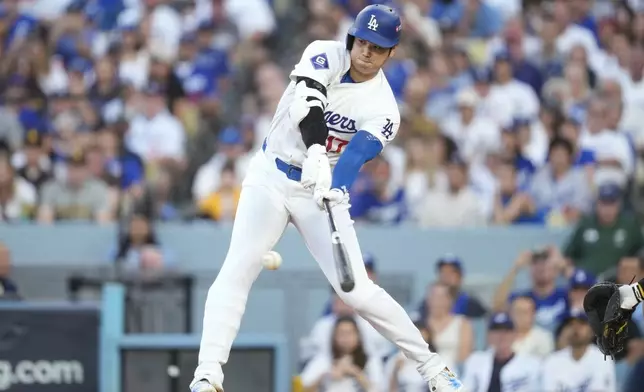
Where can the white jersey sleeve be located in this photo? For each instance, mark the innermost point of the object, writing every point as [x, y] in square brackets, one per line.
[384, 126]
[323, 61]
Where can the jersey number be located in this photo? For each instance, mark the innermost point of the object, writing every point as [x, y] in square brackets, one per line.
[335, 144]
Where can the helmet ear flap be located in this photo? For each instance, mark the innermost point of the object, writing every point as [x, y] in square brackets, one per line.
[350, 40]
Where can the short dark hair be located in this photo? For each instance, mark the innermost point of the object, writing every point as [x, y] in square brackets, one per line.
[562, 143]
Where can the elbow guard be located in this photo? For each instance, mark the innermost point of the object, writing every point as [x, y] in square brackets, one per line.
[307, 111]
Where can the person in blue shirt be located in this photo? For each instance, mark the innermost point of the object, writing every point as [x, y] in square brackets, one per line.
[514, 138]
[551, 300]
[484, 21]
[511, 205]
[450, 271]
[581, 13]
[210, 66]
[124, 166]
[379, 203]
[578, 286]
[398, 72]
[571, 131]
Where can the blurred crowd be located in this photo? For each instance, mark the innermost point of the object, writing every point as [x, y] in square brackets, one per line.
[535, 339]
[513, 112]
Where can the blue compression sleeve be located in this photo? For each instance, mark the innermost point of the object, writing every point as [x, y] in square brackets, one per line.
[361, 149]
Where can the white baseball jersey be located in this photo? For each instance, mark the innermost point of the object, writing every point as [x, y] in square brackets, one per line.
[520, 374]
[562, 373]
[369, 106]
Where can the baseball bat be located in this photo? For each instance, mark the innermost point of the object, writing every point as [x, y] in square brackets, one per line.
[343, 267]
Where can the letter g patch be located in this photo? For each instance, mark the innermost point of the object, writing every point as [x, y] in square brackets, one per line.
[320, 61]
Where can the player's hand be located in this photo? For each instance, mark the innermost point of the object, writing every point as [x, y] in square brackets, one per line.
[335, 196]
[316, 168]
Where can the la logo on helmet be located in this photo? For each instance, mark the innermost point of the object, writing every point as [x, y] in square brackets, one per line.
[373, 23]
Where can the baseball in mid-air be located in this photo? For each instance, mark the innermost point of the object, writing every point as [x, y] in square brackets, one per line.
[272, 260]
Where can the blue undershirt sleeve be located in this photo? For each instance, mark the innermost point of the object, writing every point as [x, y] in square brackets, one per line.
[362, 148]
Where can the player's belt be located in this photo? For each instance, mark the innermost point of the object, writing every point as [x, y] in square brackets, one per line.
[292, 172]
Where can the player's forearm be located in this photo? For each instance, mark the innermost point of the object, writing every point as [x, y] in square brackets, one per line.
[632, 294]
[361, 149]
[308, 109]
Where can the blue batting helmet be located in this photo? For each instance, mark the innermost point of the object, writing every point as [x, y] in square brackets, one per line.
[378, 24]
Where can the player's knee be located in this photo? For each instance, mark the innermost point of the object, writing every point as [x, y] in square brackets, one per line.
[360, 295]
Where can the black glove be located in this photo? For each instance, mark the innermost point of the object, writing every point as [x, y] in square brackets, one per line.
[606, 317]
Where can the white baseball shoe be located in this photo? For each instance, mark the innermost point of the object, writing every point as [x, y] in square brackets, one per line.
[445, 381]
[205, 386]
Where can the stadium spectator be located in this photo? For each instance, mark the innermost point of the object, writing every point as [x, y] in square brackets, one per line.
[578, 286]
[221, 205]
[449, 269]
[570, 130]
[525, 103]
[453, 335]
[139, 248]
[401, 373]
[18, 198]
[636, 377]
[8, 288]
[456, 206]
[382, 201]
[156, 135]
[32, 163]
[515, 139]
[347, 367]
[491, 99]
[501, 368]
[473, 134]
[558, 190]
[551, 301]
[78, 197]
[580, 365]
[603, 237]
[230, 148]
[511, 205]
[124, 168]
[530, 339]
[426, 156]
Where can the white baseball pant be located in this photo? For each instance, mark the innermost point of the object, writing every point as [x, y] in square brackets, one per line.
[269, 201]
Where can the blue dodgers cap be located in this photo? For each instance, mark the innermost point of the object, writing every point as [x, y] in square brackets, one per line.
[369, 261]
[609, 192]
[502, 56]
[481, 75]
[582, 279]
[500, 321]
[576, 314]
[378, 24]
[230, 136]
[206, 25]
[450, 259]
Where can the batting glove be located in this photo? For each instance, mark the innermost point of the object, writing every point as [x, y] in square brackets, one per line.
[316, 170]
[335, 196]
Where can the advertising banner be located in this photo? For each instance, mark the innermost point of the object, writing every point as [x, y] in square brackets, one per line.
[49, 350]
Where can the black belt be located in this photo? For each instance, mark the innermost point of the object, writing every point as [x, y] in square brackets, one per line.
[292, 172]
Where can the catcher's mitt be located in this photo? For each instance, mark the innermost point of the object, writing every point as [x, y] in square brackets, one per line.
[607, 319]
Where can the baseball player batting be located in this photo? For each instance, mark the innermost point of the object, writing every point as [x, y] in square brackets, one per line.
[337, 113]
